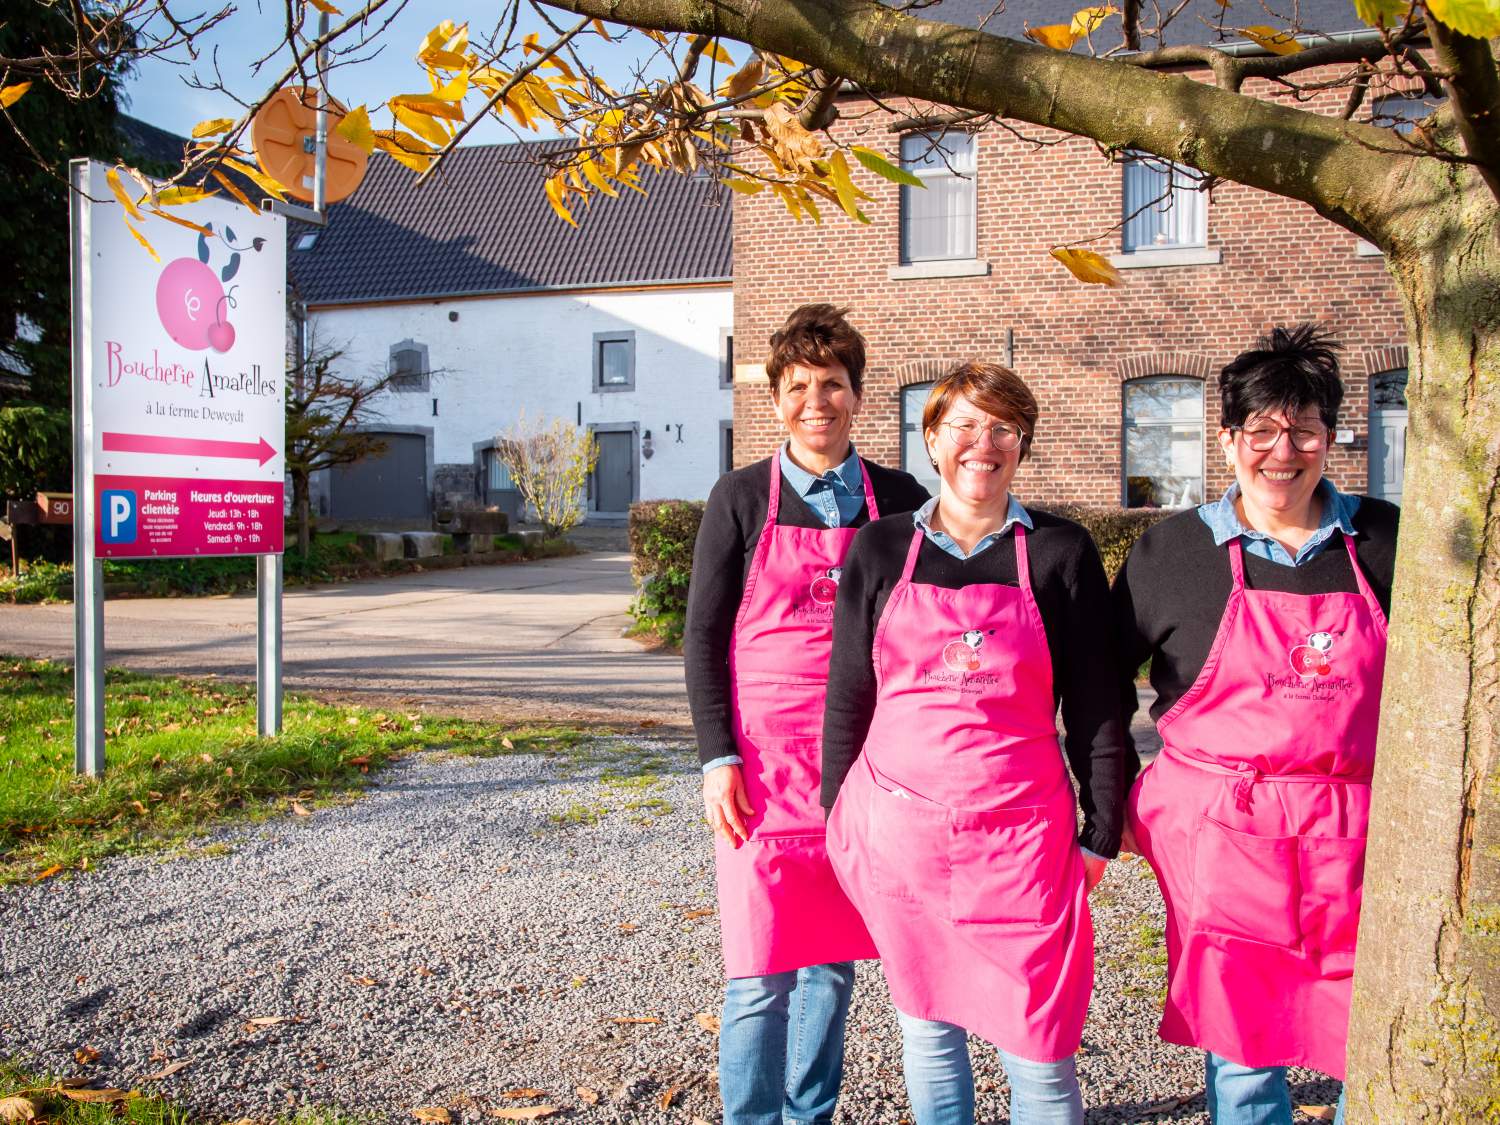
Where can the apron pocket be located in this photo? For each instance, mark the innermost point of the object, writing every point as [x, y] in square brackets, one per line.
[1332, 872]
[1008, 865]
[1245, 886]
[907, 841]
[782, 779]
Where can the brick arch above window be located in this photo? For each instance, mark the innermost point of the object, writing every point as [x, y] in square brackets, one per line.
[1392, 357]
[1146, 364]
[921, 371]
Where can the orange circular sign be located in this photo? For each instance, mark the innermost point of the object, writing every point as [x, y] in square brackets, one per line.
[282, 135]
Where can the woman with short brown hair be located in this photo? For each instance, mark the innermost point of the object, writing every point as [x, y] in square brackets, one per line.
[958, 629]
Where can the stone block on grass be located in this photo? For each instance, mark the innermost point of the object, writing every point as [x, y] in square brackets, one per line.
[531, 539]
[381, 546]
[422, 544]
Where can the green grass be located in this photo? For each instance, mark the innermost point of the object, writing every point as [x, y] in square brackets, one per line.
[183, 756]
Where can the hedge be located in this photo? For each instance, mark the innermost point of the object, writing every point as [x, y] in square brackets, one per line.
[662, 533]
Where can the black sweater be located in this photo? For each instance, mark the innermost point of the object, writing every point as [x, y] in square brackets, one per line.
[1170, 595]
[732, 523]
[1068, 582]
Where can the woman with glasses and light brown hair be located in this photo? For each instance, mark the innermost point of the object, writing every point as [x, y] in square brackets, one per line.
[958, 630]
[1263, 615]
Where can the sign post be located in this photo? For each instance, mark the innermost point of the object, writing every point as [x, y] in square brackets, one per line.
[178, 412]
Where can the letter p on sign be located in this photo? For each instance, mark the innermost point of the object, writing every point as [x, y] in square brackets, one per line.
[119, 515]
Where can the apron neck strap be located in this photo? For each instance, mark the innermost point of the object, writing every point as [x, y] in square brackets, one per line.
[1237, 563]
[775, 502]
[1023, 561]
[1360, 583]
[864, 470]
[911, 552]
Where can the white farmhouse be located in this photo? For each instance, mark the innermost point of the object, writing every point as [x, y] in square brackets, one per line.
[487, 304]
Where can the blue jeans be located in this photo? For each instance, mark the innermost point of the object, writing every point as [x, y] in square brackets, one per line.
[781, 1045]
[940, 1083]
[1250, 1095]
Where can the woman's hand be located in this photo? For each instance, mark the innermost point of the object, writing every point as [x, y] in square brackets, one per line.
[726, 805]
[1093, 870]
[1128, 842]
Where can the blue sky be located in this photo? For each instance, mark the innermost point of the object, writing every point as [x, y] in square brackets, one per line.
[159, 95]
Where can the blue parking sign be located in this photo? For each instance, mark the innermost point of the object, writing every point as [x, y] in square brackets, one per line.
[117, 514]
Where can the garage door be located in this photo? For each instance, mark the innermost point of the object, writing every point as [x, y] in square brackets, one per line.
[390, 486]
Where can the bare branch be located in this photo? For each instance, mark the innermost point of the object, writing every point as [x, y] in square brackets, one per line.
[1473, 89]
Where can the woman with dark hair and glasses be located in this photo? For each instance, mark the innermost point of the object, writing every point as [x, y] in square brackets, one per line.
[1263, 615]
[958, 630]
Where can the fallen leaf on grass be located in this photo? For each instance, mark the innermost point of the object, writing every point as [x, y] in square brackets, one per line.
[587, 1095]
[108, 1095]
[650, 722]
[668, 1097]
[86, 1055]
[17, 1109]
[702, 913]
[55, 869]
[363, 982]
[299, 809]
[707, 1022]
[1169, 1105]
[168, 1070]
[507, 743]
[636, 1019]
[524, 1113]
[1318, 1112]
[433, 1114]
[525, 1092]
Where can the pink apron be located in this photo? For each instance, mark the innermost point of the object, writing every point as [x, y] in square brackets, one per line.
[955, 831]
[1254, 819]
[780, 907]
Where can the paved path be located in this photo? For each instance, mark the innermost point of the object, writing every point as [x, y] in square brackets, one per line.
[539, 639]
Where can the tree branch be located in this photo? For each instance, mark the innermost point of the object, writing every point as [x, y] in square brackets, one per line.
[1473, 87]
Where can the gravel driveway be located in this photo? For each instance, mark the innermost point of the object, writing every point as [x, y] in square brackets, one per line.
[474, 927]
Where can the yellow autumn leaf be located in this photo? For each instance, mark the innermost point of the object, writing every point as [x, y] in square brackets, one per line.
[429, 129]
[1058, 36]
[444, 60]
[428, 104]
[742, 81]
[404, 148]
[10, 95]
[325, 7]
[268, 184]
[594, 176]
[745, 187]
[883, 168]
[213, 127]
[112, 177]
[77, 1094]
[432, 1114]
[452, 90]
[56, 868]
[555, 190]
[180, 196]
[233, 189]
[599, 29]
[717, 53]
[848, 194]
[17, 1108]
[1088, 267]
[1381, 13]
[542, 96]
[196, 228]
[1277, 42]
[1086, 20]
[355, 128]
[1478, 18]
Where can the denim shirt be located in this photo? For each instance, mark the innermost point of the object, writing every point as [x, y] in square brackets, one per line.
[1014, 514]
[835, 498]
[1224, 522]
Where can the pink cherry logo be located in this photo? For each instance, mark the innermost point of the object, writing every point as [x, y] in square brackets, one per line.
[221, 336]
[960, 657]
[1308, 661]
[824, 590]
[189, 301]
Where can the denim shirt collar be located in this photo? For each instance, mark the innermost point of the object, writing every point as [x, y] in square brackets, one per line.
[1224, 521]
[850, 475]
[1014, 514]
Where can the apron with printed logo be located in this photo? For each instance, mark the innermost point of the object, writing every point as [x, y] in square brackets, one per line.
[780, 907]
[955, 833]
[1254, 818]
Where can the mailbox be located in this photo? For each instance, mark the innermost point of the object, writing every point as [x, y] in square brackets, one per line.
[56, 507]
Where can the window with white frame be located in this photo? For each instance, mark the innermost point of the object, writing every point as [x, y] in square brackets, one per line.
[1163, 442]
[408, 366]
[938, 220]
[914, 458]
[1163, 206]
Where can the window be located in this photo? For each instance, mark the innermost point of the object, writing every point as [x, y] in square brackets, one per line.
[914, 457]
[1163, 446]
[937, 222]
[408, 367]
[614, 361]
[306, 240]
[726, 447]
[726, 357]
[1163, 206]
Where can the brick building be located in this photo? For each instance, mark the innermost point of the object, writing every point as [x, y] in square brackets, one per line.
[1126, 377]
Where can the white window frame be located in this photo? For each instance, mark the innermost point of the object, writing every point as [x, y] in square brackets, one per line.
[1125, 426]
[941, 171]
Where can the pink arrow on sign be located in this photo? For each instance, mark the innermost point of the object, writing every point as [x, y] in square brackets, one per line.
[259, 451]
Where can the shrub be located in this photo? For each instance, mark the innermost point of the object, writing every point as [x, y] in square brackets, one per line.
[662, 533]
[1114, 530]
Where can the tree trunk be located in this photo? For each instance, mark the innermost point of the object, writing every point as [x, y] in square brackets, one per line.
[1425, 1033]
[302, 512]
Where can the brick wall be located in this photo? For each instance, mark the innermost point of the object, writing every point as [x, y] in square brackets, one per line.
[1074, 344]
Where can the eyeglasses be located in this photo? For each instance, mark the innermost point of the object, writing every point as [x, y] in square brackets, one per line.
[1263, 436]
[965, 432]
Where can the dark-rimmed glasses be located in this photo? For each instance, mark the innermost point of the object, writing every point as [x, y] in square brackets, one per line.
[1263, 436]
[965, 432]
